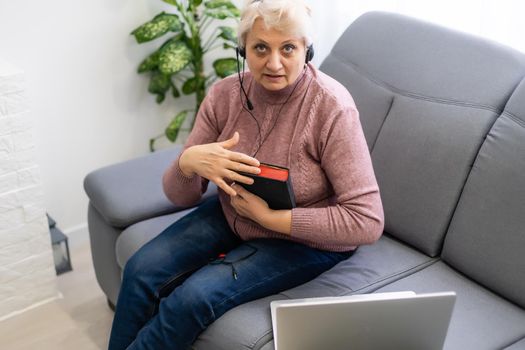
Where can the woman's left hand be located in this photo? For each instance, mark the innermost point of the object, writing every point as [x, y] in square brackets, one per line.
[250, 206]
[253, 207]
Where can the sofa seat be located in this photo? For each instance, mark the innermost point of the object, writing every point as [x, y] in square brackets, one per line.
[481, 319]
[371, 267]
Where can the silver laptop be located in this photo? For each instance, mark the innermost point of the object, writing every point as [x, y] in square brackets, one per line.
[400, 320]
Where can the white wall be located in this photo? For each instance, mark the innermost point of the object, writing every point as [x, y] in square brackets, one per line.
[499, 20]
[27, 273]
[90, 107]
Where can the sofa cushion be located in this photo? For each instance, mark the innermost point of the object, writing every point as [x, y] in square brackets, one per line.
[480, 320]
[409, 56]
[370, 268]
[516, 105]
[424, 115]
[372, 100]
[421, 158]
[486, 240]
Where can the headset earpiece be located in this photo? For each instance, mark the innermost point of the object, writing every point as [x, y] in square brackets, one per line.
[241, 51]
[309, 53]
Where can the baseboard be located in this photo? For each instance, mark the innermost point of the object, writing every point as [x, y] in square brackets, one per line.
[77, 235]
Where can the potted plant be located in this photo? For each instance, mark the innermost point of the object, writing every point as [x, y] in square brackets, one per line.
[178, 64]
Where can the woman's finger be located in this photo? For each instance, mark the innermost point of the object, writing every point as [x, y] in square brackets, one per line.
[225, 187]
[231, 142]
[243, 168]
[243, 159]
[234, 176]
[241, 191]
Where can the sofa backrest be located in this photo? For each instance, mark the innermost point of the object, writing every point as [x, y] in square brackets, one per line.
[486, 239]
[427, 98]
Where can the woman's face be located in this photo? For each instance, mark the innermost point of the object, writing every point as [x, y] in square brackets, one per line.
[275, 58]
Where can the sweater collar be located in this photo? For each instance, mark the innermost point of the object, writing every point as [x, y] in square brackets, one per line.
[275, 97]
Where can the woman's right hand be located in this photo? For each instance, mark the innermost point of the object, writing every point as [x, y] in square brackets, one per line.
[215, 162]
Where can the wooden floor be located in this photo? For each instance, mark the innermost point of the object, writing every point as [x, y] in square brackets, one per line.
[79, 321]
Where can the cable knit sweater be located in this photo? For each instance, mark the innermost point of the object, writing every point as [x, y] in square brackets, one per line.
[311, 127]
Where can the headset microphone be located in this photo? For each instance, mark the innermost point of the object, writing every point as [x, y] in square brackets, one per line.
[242, 53]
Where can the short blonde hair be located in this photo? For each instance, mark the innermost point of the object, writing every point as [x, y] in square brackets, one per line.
[289, 16]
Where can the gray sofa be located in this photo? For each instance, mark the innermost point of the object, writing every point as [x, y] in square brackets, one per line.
[444, 117]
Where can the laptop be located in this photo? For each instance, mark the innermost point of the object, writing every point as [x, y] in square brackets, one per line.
[399, 320]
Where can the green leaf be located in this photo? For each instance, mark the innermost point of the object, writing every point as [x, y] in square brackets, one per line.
[174, 91]
[228, 46]
[160, 98]
[225, 66]
[213, 4]
[159, 83]
[158, 26]
[228, 33]
[171, 2]
[172, 131]
[222, 12]
[174, 57]
[150, 63]
[192, 7]
[190, 86]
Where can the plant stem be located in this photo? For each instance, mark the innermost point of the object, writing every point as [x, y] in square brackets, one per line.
[179, 78]
[205, 24]
[211, 39]
[212, 48]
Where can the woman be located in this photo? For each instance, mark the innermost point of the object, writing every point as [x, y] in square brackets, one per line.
[235, 248]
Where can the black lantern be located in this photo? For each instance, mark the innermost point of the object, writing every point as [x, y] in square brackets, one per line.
[60, 248]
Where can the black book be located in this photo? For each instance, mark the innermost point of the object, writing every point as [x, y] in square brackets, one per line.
[274, 185]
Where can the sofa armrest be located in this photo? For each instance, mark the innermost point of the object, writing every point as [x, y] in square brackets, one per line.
[131, 191]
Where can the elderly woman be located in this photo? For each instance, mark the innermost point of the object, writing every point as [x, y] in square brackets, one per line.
[236, 248]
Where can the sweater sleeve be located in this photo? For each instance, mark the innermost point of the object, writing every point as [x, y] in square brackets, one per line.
[357, 216]
[183, 190]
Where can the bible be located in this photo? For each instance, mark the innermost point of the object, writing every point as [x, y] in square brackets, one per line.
[274, 185]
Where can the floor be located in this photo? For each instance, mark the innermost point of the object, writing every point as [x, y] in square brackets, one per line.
[80, 321]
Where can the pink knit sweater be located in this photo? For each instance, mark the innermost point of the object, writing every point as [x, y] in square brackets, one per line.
[314, 130]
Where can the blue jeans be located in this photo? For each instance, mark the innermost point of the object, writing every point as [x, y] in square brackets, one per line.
[181, 281]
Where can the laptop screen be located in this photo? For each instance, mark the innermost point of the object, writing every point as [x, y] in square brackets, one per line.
[400, 320]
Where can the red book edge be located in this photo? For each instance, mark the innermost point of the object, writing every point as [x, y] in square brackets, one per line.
[272, 172]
